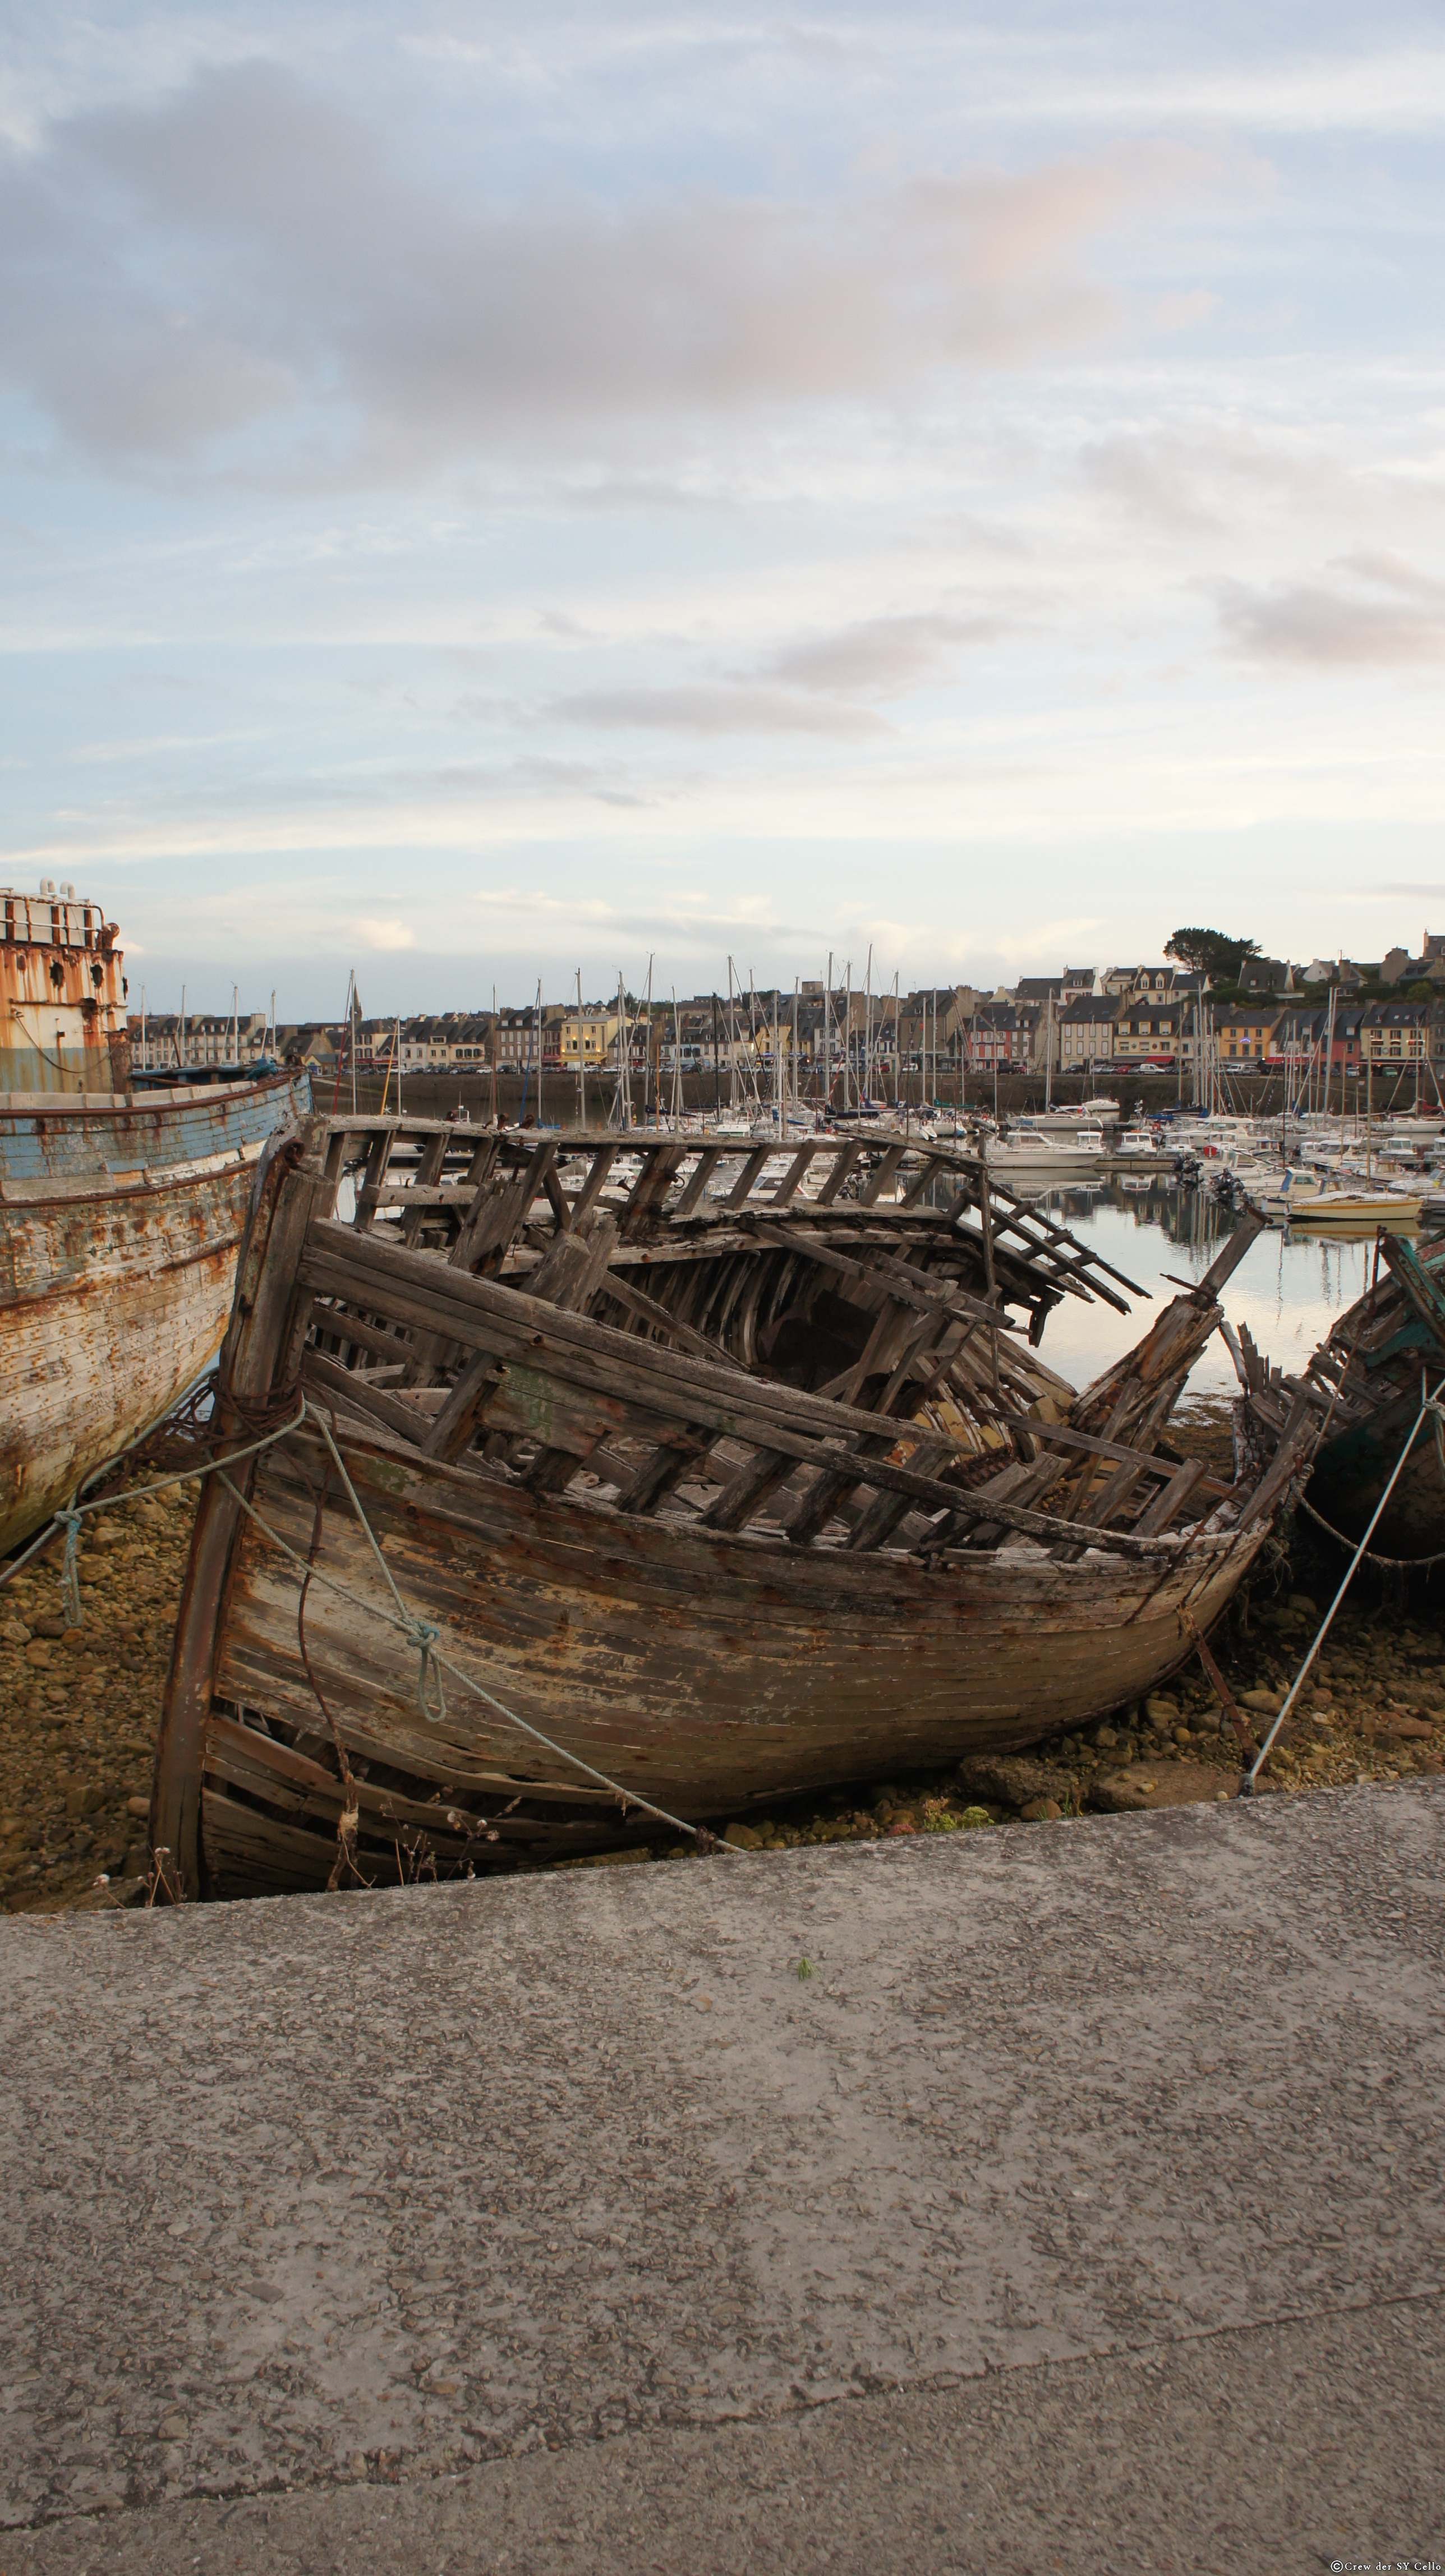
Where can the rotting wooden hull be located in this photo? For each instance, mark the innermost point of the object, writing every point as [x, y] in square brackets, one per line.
[709, 1672]
[1387, 1348]
[712, 1584]
[119, 1232]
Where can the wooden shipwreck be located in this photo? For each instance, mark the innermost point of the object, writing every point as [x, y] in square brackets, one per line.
[1384, 1353]
[729, 1468]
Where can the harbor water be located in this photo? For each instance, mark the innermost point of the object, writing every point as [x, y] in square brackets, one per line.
[1289, 1289]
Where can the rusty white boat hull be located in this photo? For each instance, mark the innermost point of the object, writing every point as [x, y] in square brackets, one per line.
[712, 1573]
[120, 1224]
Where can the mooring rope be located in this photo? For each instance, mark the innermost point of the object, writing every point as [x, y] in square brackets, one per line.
[422, 1633]
[1431, 1410]
[1372, 1556]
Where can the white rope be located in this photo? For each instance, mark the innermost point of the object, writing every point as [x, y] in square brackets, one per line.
[71, 1515]
[1430, 1409]
[423, 1634]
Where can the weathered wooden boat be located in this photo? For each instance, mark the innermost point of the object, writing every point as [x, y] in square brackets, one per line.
[121, 1211]
[1382, 1354]
[725, 1493]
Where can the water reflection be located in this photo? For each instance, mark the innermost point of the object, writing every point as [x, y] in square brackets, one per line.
[1288, 1289]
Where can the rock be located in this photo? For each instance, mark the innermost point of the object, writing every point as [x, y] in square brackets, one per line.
[138, 1807]
[1112, 1796]
[1411, 1730]
[1118, 1755]
[1264, 1702]
[38, 1651]
[171, 2428]
[1041, 1811]
[1010, 1780]
[743, 1838]
[15, 1632]
[901, 1825]
[1105, 1736]
[1162, 1709]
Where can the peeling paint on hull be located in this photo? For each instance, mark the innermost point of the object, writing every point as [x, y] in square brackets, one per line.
[118, 1248]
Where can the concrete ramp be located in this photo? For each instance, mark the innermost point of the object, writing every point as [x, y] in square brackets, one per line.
[1070, 2190]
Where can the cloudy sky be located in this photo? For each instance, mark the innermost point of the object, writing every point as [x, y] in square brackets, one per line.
[487, 492]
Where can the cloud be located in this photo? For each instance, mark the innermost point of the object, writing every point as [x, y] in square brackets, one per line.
[881, 655]
[1154, 478]
[385, 934]
[1390, 616]
[246, 253]
[715, 707]
[812, 686]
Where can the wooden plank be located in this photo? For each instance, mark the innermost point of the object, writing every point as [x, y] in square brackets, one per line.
[883, 1172]
[602, 1160]
[697, 1180]
[876, 1525]
[368, 1196]
[428, 1172]
[576, 1350]
[933, 1164]
[633, 1302]
[290, 1186]
[845, 1162]
[752, 1165]
[361, 1336]
[503, 1210]
[327, 1377]
[661, 1474]
[793, 1176]
[651, 1186]
[465, 1777]
[754, 1484]
[1062, 1435]
[1170, 1499]
[916, 1287]
[453, 1429]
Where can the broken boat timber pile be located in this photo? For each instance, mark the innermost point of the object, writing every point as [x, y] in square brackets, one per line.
[725, 1466]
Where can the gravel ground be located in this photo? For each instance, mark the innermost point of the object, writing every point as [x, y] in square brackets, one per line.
[78, 1713]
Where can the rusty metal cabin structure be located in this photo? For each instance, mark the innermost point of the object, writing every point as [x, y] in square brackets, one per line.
[62, 995]
[800, 1508]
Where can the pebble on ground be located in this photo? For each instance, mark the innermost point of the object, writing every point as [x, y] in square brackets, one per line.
[79, 1708]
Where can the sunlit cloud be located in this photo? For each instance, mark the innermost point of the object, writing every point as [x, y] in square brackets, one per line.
[385, 934]
[246, 253]
[1387, 617]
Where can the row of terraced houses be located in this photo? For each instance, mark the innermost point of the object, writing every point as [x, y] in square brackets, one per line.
[1078, 1021]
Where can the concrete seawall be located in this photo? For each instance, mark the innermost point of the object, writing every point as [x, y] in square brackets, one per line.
[1079, 2199]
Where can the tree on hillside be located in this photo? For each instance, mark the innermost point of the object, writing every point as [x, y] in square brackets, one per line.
[1212, 953]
